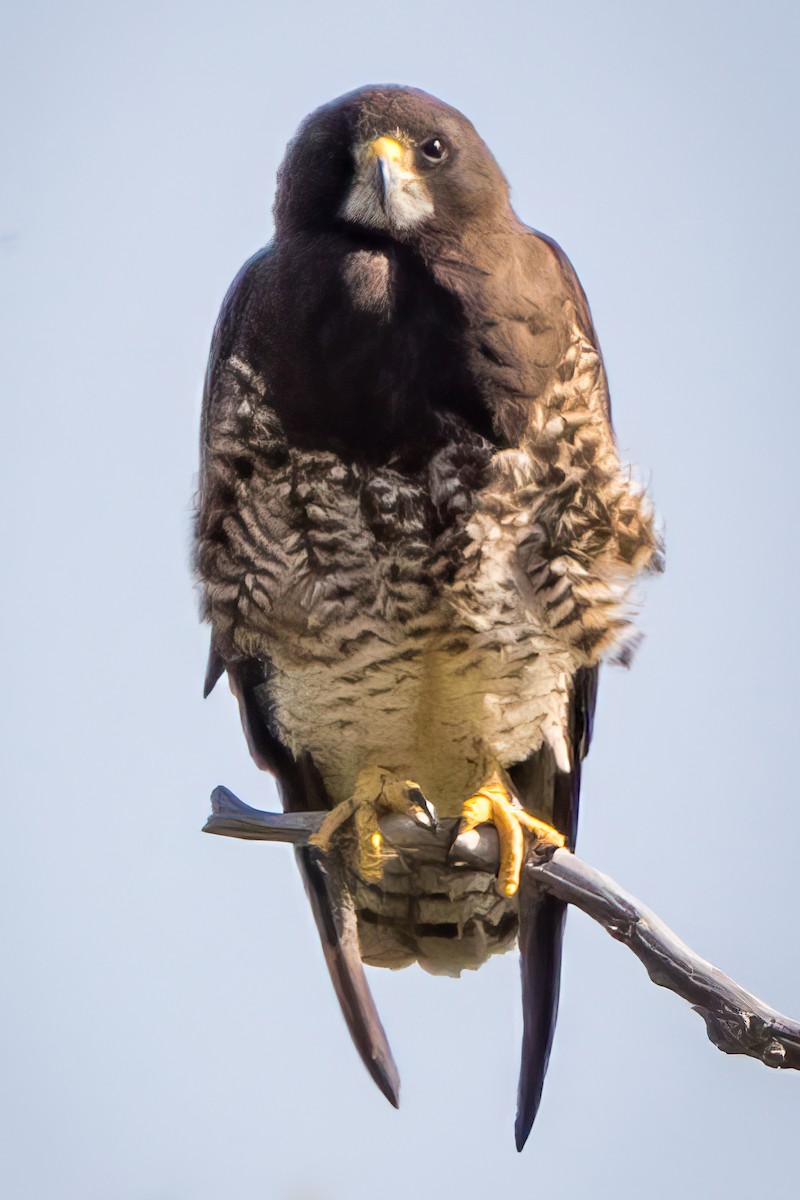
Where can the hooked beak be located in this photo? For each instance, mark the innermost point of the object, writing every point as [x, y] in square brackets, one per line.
[387, 192]
[393, 168]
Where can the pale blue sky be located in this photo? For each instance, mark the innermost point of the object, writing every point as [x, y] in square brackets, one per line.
[171, 1033]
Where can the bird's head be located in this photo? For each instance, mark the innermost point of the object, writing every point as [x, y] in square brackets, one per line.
[391, 161]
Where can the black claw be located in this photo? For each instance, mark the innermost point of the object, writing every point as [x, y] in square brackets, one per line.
[455, 849]
[422, 810]
[463, 854]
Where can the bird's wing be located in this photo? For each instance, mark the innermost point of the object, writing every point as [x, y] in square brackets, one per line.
[573, 385]
[231, 380]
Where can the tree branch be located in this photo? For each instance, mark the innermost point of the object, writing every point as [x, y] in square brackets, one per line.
[736, 1021]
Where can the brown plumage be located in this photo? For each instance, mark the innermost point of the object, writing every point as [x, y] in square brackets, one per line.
[415, 538]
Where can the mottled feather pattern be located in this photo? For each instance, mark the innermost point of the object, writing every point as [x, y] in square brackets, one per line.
[414, 533]
[578, 527]
[447, 921]
[428, 621]
[293, 541]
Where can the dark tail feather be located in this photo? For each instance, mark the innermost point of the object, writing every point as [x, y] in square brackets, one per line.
[302, 790]
[541, 931]
[542, 917]
[335, 916]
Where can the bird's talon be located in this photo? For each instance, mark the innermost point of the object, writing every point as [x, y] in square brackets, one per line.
[493, 804]
[420, 807]
[376, 791]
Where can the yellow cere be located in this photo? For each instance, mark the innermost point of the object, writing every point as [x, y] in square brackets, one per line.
[388, 148]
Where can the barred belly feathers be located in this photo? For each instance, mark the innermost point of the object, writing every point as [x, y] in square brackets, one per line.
[415, 538]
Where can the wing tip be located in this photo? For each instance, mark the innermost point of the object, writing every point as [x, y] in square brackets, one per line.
[214, 669]
[387, 1078]
[526, 1115]
[540, 939]
[334, 914]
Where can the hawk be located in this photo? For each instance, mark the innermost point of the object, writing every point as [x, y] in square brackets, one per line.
[415, 539]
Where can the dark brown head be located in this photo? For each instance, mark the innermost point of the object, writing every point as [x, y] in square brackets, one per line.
[391, 161]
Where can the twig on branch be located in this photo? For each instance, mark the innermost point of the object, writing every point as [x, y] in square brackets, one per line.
[736, 1021]
[231, 817]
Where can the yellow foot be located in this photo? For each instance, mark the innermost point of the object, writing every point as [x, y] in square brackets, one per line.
[493, 804]
[376, 791]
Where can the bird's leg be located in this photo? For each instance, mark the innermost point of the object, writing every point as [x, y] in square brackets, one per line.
[494, 804]
[377, 791]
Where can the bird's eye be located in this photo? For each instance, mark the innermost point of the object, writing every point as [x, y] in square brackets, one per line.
[435, 150]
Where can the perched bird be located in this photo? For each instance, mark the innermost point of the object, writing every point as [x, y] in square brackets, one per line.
[415, 539]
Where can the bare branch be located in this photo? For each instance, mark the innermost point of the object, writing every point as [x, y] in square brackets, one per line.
[736, 1021]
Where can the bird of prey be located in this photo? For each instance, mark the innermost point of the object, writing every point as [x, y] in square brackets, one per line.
[415, 539]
